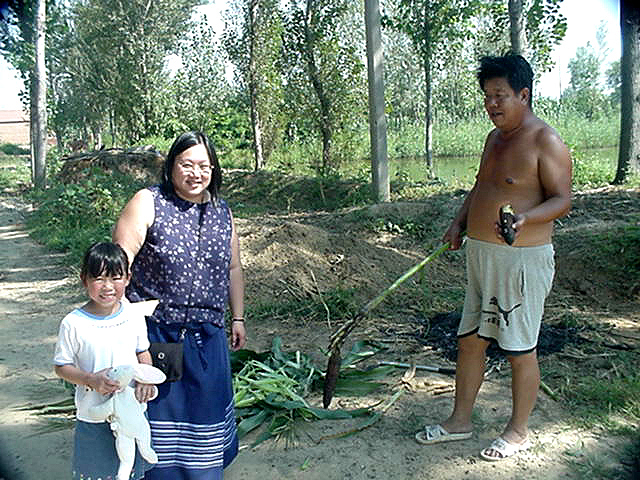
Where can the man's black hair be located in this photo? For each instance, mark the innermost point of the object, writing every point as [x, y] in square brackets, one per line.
[514, 68]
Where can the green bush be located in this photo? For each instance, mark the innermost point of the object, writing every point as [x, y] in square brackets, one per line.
[590, 171]
[71, 216]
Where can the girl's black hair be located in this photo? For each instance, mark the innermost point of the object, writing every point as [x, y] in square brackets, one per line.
[513, 67]
[184, 142]
[105, 258]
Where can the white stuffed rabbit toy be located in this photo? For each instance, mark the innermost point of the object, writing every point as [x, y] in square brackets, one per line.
[126, 415]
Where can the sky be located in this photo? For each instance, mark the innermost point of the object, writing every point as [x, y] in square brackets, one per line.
[583, 19]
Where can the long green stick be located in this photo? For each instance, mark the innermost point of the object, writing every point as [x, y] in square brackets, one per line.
[339, 336]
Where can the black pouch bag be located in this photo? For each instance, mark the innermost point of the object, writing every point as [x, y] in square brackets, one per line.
[168, 357]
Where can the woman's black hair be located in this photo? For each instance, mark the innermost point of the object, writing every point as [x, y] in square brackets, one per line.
[105, 258]
[513, 67]
[184, 142]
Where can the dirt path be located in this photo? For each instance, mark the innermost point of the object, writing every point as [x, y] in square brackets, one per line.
[36, 292]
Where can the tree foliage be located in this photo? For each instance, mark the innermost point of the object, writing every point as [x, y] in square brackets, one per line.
[545, 27]
[253, 41]
[200, 95]
[284, 76]
[113, 69]
[435, 29]
[586, 92]
[323, 73]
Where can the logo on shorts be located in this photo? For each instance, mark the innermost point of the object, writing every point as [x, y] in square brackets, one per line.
[501, 315]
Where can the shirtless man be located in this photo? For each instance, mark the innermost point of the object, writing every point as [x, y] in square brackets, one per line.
[525, 164]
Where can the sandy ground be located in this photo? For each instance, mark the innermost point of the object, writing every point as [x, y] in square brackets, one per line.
[36, 293]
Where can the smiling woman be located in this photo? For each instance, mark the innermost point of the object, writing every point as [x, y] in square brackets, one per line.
[184, 250]
[191, 173]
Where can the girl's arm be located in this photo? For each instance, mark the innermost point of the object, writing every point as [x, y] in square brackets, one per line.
[97, 381]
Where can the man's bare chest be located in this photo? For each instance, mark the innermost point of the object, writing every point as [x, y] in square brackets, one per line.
[509, 163]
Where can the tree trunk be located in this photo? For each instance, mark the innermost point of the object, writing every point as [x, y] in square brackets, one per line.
[33, 123]
[428, 131]
[112, 128]
[254, 6]
[517, 32]
[629, 150]
[428, 124]
[40, 93]
[377, 119]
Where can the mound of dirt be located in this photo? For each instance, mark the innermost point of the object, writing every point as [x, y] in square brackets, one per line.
[142, 164]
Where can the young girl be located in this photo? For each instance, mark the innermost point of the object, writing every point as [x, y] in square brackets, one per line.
[103, 333]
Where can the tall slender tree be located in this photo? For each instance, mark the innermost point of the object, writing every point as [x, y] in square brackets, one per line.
[517, 32]
[39, 99]
[533, 27]
[22, 41]
[377, 118]
[323, 70]
[256, 120]
[629, 150]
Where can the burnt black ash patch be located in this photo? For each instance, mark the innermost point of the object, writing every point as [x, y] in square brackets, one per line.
[440, 332]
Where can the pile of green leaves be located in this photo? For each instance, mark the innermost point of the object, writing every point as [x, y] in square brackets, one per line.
[271, 388]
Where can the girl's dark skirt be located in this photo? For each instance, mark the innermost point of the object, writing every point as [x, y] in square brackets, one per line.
[94, 454]
[193, 425]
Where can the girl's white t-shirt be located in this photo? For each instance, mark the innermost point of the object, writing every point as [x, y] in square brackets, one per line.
[94, 343]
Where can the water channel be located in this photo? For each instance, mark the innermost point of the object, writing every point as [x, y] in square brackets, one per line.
[463, 169]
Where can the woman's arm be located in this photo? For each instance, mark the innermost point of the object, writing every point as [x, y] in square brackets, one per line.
[236, 292]
[145, 391]
[131, 228]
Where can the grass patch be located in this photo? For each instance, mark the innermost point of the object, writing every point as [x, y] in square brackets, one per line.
[332, 304]
[608, 396]
[601, 400]
[15, 173]
[12, 149]
[584, 134]
[590, 171]
[271, 192]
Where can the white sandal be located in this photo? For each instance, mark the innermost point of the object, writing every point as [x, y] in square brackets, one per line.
[432, 434]
[504, 449]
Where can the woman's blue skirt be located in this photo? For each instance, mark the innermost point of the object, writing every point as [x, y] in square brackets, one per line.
[193, 424]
